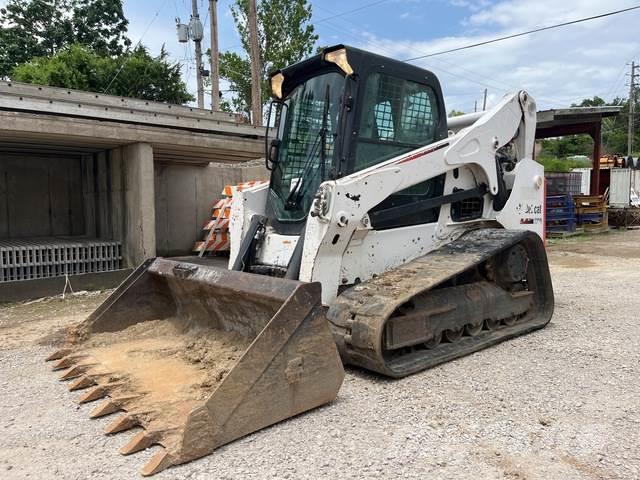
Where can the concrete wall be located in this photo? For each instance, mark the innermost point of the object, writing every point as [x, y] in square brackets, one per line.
[41, 196]
[184, 197]
[152, 208]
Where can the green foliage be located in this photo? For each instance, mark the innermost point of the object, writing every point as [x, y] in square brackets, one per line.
[615, 130]
[285, 36]
[101, 25]
[78, 67]
[591, 102]
[568, 146]
[456, 113]
[555, 164]
[40, 28]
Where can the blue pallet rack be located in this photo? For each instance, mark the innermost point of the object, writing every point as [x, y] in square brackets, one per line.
[561, 213]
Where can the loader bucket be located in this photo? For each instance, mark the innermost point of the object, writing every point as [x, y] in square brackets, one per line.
[200, 356]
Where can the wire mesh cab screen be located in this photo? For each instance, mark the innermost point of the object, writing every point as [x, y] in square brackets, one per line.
[398, 116]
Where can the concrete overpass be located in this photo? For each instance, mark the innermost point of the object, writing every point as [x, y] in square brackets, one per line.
[78, 168]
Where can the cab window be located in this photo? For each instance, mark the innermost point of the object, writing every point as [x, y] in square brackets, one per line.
[398, 116]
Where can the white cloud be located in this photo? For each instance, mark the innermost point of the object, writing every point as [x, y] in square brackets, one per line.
[473, 5]
[558, 67]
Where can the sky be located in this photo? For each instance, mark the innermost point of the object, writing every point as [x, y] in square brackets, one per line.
[558, 67]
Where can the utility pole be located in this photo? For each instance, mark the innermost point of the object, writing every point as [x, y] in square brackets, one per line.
[256, 67]
[632, 107]
[194, 31]
[215, 56]
[484, 102]
[475, 106]
[197, 39]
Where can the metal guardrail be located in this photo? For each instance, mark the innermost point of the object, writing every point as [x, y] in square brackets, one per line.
[28, 259]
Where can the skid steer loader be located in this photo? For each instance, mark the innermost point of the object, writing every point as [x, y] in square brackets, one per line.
[389, 237]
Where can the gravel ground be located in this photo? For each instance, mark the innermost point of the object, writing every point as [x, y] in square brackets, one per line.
[563, 402]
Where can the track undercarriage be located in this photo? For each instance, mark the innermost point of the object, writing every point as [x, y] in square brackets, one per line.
[488, 286]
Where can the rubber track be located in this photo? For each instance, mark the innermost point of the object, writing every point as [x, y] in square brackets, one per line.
[359, 314]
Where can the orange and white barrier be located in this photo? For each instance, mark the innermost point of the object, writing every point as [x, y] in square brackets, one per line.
[216, 228]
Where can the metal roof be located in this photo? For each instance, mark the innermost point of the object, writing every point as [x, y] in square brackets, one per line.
[575, 115]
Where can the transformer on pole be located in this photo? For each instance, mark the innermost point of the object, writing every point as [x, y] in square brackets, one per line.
[194, 31]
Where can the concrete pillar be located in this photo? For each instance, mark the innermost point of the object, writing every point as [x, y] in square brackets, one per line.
[103, 212]
[4, 201]
[138, 204]
[89, 195]
[597, 152]
[116, 188]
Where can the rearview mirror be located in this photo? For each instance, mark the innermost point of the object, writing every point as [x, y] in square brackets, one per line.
[274, 152]
[272, 149]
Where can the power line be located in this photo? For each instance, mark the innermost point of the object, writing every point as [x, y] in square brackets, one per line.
[615, 87]
[175, 5]
[528, 32]
[482, 80]
[619, 83]
[136, 46]
[362, 7]
[485, 82]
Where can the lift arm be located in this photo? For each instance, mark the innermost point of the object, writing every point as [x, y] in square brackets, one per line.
[342, 206]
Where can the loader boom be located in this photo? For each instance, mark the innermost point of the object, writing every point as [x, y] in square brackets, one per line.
[329, 235]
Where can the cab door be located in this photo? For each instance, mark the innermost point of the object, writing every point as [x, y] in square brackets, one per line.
[398, 115]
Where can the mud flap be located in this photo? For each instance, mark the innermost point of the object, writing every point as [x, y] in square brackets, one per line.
[200, 356]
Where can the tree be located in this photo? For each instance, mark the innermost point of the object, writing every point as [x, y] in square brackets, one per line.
[456, 113]
[135, 74]
[39, 28]
[285, 35]
[568, 145]
[101, 25]
[591, 102]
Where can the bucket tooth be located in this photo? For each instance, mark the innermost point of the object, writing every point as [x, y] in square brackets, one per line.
[122, 423]
[85, 381]
[160, 461]
[75, 372]
[58, 354]
[140, 441]
[66, 362]
[96, 393]
[111, 405]
[105, 408]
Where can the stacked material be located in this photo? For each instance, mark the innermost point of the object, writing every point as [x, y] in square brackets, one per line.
[29, 259]
[561, 183]
[560, 215]
[591, 213]
[216, 228]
